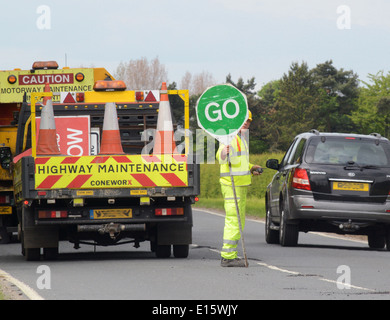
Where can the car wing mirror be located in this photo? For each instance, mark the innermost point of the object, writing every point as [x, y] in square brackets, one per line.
[272, 164]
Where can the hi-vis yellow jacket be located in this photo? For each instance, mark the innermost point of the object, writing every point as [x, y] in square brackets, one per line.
[239, 158]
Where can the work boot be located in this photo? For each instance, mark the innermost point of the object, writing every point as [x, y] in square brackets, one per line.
[237, 263]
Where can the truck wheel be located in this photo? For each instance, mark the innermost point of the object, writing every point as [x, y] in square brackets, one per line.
[163, 251]
[4, 236]
[50, 253]
[181, 251]
[32, 254]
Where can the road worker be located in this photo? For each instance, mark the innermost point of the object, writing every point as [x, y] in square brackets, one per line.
[242, 172]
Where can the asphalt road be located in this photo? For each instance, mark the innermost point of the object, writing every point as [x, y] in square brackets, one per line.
[319, 268]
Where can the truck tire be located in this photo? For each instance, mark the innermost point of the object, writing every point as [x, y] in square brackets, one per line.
[32, 254]
[163, 251]
[50, 253]
[4, 236]
[181, 250]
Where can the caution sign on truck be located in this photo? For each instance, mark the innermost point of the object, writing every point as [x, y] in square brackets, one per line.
[14, 84]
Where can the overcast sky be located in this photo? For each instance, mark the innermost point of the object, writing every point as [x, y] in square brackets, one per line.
[247, 38]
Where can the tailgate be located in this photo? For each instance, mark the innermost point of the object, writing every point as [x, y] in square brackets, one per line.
[101, 172]
[335, 183]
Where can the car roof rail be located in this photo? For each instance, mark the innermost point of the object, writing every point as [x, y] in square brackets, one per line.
[314, 131]
[375, 135]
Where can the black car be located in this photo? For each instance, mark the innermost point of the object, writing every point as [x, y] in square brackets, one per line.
[331, 182]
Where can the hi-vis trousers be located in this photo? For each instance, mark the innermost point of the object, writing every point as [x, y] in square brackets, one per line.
[231, 233]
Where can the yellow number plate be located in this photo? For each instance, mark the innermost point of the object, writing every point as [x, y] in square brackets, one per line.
[85, 192]
[111, 214]
[138, 192]
[350, 186]
[6, 210]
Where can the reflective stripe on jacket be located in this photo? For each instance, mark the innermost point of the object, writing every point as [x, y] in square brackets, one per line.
[239, 158]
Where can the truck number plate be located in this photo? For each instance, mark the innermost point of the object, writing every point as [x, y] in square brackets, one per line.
[6, 210]
[111, 214]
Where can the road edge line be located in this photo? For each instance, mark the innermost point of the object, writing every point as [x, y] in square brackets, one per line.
[325, 235]
[28, 291]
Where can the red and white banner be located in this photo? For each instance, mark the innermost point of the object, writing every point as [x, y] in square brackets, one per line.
[73, 135]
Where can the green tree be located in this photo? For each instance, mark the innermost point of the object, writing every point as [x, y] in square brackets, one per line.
[296, 106]
[268, 122]
[339, 92]
[257, 141]
[322, 98]
[373, 112]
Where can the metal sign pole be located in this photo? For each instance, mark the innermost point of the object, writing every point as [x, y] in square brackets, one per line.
[221, 111]
[238, 212]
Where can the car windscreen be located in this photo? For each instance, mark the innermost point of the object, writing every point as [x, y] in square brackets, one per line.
[348, 150]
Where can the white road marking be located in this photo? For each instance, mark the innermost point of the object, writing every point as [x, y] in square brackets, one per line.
[295, 273]
[33, 295]
[350, 286]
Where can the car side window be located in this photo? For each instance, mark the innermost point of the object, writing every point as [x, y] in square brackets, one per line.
[288, 153]
[297, 157]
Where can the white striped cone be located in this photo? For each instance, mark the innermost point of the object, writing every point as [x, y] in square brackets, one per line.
[47, 89]
[111, 137]
[47, 139]
[164, 142]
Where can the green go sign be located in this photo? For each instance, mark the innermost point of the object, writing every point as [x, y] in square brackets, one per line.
[221, 111]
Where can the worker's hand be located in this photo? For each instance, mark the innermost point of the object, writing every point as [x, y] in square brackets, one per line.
[225, 152]
[256, 170]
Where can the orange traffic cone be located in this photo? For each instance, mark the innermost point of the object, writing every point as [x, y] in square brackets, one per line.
[47, 139]
[164, 142]
[111, 137]
[47, 89]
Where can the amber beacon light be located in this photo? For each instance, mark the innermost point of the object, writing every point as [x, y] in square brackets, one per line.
[41, 65]
[79, 76]
[104, 85]
[11, 79]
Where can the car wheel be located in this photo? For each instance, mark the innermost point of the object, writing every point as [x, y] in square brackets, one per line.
[376, 240]
[271, 236]
[288, 233]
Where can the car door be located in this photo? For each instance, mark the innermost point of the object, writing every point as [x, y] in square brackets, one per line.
[279, 180]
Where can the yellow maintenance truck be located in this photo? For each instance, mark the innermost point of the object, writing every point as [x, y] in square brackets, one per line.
[86, 197]
[17, 86]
